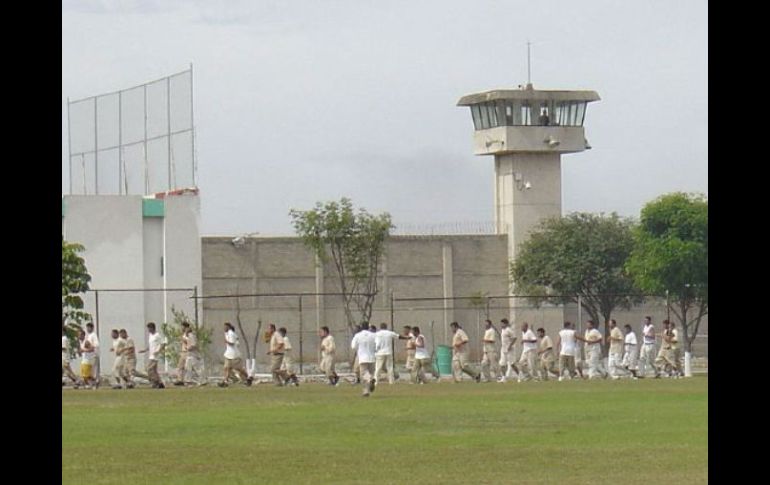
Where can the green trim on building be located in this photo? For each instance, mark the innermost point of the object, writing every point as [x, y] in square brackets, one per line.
[153, 208]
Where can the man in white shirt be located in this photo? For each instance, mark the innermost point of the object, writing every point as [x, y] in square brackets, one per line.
[528, 353]
[631, 351]
[233, 361]
[86, 351]
[384, 340]
[93, 339]
[288, 364]
[65, 358]
[155, 346]
[567, 348]
[545, 351]
[328, 350]
[507, 356]
[192, 373]
[489, 362]
[615, 359]
[647, 352]
[365, 347]
[593, 341]
[421, 357]
[460, 354]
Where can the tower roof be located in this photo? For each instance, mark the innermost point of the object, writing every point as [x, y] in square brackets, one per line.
[528, 94]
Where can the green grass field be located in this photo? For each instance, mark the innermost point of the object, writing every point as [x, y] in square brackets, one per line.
[646, 431]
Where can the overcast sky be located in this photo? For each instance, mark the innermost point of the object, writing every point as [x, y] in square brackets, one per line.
[302, 101]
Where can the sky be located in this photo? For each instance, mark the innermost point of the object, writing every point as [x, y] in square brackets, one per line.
[302, 101]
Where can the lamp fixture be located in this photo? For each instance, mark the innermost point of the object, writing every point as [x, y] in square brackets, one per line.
[240, 241]
[551, 142]
[521, 184]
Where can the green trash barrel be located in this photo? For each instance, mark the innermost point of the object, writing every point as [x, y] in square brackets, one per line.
[443, 362]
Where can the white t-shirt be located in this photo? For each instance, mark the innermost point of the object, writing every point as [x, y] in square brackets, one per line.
[65, 348]
[649, 334]
[528, 335]
[567, 336]
[94, 340]
[231, 341]
[383, 341]
[86, 357]
[506, 337]
[365, 346]
[490, 334]
[286, 343]
[630, 342]
[154, 340]
[420, 351]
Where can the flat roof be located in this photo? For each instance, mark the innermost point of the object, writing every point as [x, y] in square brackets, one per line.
[528, 94]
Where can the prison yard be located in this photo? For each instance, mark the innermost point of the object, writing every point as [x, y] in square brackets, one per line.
[578, 431]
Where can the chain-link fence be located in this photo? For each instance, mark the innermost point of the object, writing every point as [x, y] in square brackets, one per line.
[303, 314]
[138, 140]
[132, 309]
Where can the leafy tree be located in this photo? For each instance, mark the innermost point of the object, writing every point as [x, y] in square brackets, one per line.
[578, 255]
[74, 282]
[173, 333]
[354, 242]
[671, 254]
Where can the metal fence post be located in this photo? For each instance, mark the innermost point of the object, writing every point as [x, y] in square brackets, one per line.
[300, 335]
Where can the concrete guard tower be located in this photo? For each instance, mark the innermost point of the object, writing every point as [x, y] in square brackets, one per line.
[527, 130]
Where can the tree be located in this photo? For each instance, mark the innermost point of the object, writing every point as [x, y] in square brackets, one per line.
[354, 242]
[173, 333]
[578, 255]
[74, 282]
[671, 255]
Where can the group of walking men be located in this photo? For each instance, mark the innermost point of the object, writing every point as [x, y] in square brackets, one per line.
[374, 351]
[539, 354]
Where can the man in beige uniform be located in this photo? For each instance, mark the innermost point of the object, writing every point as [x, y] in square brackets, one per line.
[507, 355]
[547, 357]
[460, 354]
[280, 377]
[489, 362]
[615, 360]
[328, 349]
[593, 350]
[182, 362]
[288, 362]
[676, 350]
[410, 347]
[193, 361]
[118, 344]
[129, 360]
[65, 359]
[664, 362]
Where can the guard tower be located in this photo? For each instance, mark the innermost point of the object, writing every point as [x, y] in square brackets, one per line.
[527, 130]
